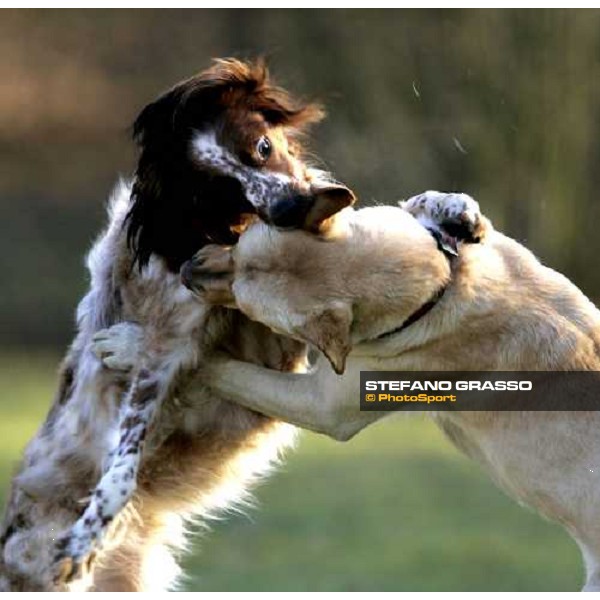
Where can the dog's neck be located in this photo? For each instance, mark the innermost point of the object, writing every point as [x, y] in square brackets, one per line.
[423, 310]
[449, 247]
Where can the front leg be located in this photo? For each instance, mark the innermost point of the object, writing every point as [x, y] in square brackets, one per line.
[121, 347]
[76, 549]
[318, 400]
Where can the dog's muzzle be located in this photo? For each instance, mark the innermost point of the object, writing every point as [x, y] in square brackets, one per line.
[290, 212]
[309, 211]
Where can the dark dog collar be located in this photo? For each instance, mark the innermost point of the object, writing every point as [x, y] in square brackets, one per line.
[447, 245]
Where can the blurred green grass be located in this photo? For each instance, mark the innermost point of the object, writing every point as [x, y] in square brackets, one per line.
[395, 509]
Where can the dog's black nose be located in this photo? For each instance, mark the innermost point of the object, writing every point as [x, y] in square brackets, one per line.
[290, 212]
[187, 274]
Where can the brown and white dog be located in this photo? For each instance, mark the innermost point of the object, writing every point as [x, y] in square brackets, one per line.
[80, 516]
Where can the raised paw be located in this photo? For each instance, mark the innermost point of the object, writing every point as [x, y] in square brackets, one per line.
[119, 347]
[209, 273]
[452, 216]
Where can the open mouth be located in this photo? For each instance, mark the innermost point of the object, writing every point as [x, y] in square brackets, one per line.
[244, 221]
[222, 213]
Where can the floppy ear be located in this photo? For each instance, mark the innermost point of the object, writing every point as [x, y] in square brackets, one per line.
[155, 124]
[153, 222]
[328, 201]
[329, 331]
[176, 209]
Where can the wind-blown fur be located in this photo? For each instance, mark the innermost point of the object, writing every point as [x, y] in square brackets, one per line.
[202, 452]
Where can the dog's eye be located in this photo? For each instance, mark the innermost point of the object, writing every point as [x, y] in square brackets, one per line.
[263, 148]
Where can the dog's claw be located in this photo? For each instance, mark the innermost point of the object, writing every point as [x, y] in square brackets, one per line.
[70, 568]
[63, 571]
[209, 273]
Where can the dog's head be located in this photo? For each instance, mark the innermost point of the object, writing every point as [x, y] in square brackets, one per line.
[354, 287]
[179, 205]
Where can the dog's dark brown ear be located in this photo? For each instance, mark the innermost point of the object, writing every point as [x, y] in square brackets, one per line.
[328, 201]
[329, 331]
[205, 205]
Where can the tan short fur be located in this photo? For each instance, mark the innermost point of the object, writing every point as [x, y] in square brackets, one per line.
[502, 310]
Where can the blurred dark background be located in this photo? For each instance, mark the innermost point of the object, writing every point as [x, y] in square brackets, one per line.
[503, 104]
